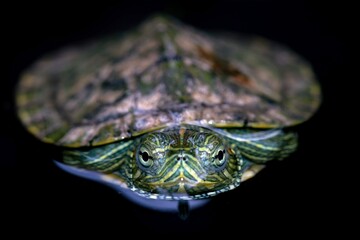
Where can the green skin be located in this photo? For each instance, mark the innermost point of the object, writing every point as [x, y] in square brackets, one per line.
[184, 162]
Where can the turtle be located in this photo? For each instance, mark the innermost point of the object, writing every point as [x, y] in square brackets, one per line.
[169, 111]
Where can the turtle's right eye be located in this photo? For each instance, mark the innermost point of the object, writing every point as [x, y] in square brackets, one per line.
[144, 159]
[144, 156]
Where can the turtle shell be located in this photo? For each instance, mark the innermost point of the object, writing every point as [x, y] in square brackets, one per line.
[163, 73]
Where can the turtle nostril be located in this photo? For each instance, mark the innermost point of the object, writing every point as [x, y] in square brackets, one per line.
[181, 158]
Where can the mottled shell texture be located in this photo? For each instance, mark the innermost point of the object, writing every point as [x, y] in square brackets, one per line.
[163, 73]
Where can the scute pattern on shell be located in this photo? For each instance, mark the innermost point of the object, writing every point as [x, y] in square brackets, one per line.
[163, 73]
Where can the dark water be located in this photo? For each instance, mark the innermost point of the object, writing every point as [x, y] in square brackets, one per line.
[295, 194]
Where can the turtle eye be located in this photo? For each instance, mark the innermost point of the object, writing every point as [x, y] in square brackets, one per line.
[144, 158]
[220, 157]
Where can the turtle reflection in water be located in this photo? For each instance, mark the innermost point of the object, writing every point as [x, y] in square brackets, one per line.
[167, 111]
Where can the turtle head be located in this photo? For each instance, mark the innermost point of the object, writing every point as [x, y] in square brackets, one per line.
[184, 163]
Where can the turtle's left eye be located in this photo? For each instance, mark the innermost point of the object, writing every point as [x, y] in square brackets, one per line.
[220, 157]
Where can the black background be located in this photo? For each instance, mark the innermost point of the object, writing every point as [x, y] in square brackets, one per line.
[296, 194]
